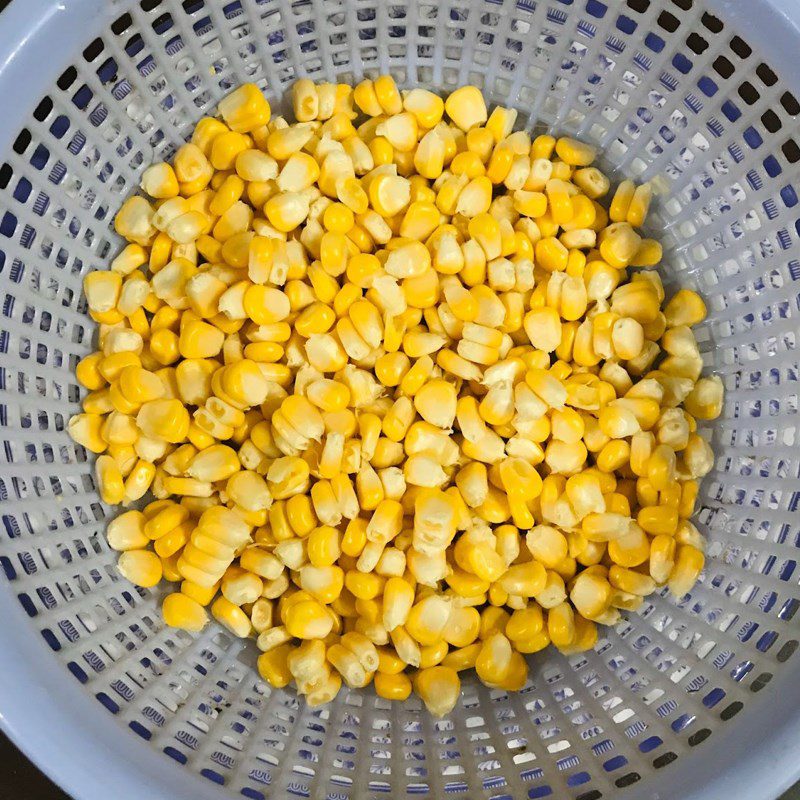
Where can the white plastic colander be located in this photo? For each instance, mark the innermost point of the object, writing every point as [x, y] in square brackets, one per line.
[690, 699]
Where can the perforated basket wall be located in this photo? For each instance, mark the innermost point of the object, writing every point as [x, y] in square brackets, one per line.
[665, 89]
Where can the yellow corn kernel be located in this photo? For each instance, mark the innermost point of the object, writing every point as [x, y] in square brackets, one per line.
[273, 666]
[689, 491]
[551, 255]
[574, 152]
[392, 687]
[323, 546]
[559, 202]
[631, 549]
[109, 480]
[231, 617]
[685, 308]
[436, 403]
[181, 611]
[365, 586]
[657, 520]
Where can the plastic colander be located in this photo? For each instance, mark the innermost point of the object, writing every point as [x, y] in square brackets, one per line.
[690, 699]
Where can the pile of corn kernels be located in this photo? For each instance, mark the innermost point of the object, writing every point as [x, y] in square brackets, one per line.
[403, 407]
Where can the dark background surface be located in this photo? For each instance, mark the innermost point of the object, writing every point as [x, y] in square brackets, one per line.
[21, 780]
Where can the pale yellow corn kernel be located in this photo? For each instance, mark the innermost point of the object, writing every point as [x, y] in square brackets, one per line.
[305, 100]
[86, 430]
[261, 563]
[126, 532]
[240, 586]
[407, 649]
[539, 173]
[630, 550]
[466, 107]
[164, 419]
[325, 353]
[662, 558]
[133, 294]
[543, 328]
[627, 338]
[462, 628]
[347, 665]
[428, 618]
[254, 165]
[606, 526]
[138, 481]
[698, 457]
[141, 567]
[495, 660]
[98, 402]
[631, 581]
[102, 290]
[621, 201]
[130, 258]
[593, 183]
[273, 638]
[590, 594]
[134, 221]
[323, 583]
[526, 579]
[619, 244]
[261, 615]
[287, 210]
[127, 456]
[706, 398]
[244, 109]
[547, 545]
[389, 194]
[639, 205]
